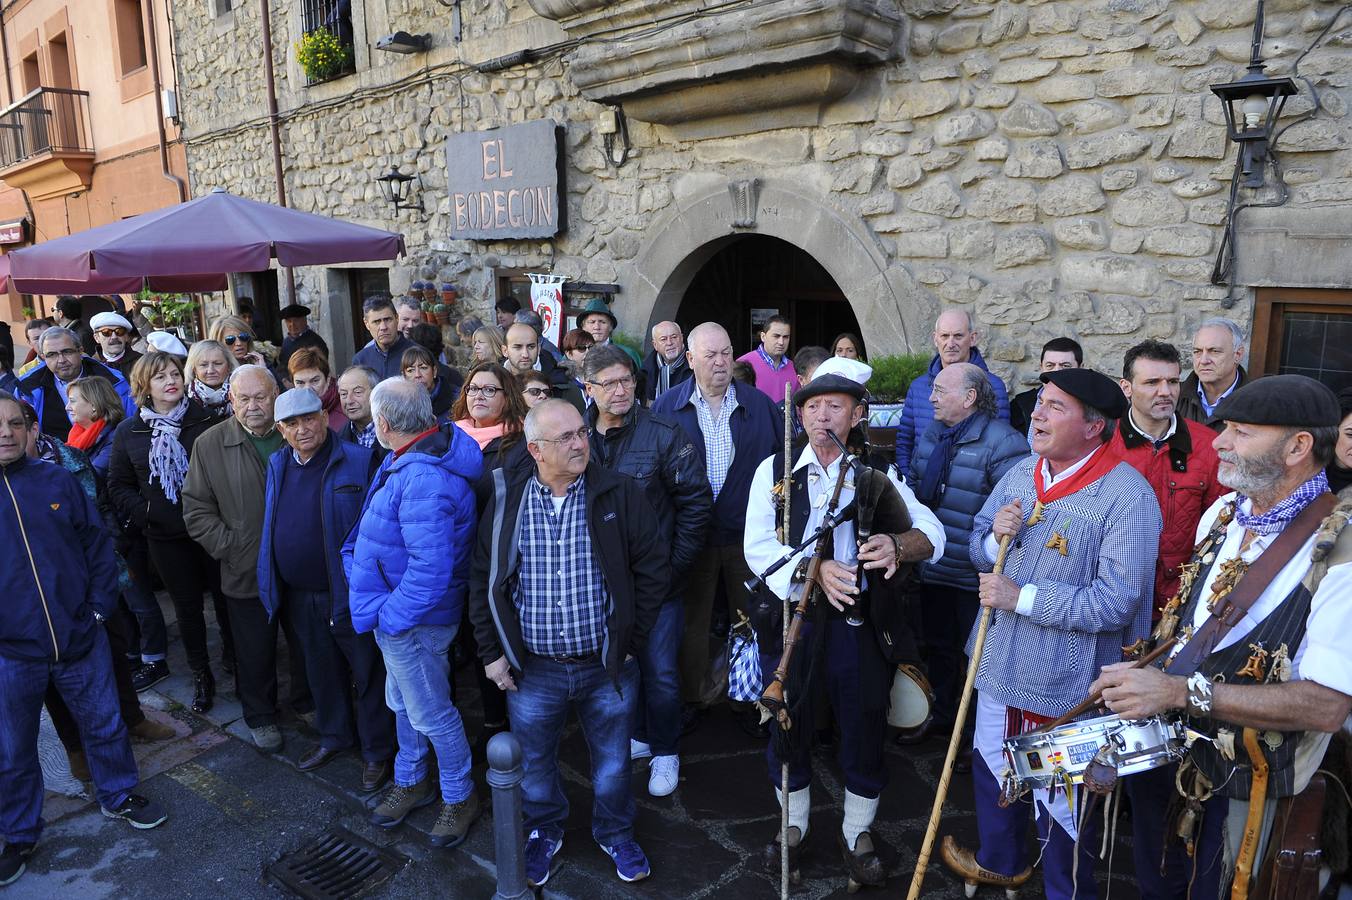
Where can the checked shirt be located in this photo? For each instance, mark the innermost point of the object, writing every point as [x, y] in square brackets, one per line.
[561, 596]
[718, 447]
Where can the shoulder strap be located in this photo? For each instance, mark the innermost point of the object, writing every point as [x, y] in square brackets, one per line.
[1252, 584]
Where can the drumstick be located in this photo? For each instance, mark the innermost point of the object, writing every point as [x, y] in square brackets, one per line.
[922, 862]
[1096, 698]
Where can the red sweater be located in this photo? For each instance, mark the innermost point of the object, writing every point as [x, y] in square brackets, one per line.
[1183, 474]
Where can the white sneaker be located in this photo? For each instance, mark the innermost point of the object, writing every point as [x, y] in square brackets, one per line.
[639, 750]
[664, 773]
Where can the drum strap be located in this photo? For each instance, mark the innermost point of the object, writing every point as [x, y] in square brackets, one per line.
[1254, 581]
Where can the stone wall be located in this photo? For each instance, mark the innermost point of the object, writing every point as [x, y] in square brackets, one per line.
[1055, 167]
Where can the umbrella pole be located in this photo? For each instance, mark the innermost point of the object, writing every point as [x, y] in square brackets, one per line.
[276, 133]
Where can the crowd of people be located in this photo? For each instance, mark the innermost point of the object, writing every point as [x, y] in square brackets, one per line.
[587, 526]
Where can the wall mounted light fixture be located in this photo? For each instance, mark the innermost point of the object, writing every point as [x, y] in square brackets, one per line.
[403, 42]
[397, 189]
[1252, 105]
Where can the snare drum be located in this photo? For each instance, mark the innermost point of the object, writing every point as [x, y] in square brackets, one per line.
[1044, 759]
[911, 701]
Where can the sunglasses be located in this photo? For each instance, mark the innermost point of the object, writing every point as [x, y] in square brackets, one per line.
[112, 331]
[537, 391]
[231, 338]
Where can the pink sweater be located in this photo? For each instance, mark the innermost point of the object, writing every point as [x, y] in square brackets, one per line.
[771, 381]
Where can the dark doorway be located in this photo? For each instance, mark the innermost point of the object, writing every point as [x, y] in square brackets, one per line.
[264, 297]
[363, 284]
[757, 276]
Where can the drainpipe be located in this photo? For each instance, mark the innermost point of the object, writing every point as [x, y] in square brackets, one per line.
[274, 128]
[4, 51]
[159, 101]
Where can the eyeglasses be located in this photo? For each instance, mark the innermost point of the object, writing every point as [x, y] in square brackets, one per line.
[567, 437]
[536, 392]
[69, 352]
[112, 331]
[614, 384]
[487, 391]
[231, 338]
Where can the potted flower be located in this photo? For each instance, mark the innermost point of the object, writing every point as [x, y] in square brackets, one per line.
[322, 55]
[448, 293]
[442, 313]
[892, 376]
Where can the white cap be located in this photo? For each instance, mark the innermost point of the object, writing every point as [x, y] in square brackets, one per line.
[109, 320]
[166, 343]
[853, 369]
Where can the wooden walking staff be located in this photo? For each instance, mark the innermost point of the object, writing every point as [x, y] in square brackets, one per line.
[922, 862]
[787, 486]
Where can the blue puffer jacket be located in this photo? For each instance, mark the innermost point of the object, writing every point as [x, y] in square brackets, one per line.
[59, 567]
[984, 454]
[346, 477]
[407, 561]
[917, 413]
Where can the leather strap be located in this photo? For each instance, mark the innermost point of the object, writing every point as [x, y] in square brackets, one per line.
[1254, 581]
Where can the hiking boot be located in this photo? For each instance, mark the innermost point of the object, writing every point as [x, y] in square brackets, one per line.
[454, 821]
[267, 738]
[399, 801]
[149, 730]
[138, 811]
[203, 691]
[630, 863]
[541, 848]
[13, 861]
[147, 675]
[664, 773]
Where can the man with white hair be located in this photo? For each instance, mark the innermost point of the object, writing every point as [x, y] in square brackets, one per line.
[114, 334]
[1217, 348]
[955, 338]
[45, 387]
[224, 498]
[666, 366]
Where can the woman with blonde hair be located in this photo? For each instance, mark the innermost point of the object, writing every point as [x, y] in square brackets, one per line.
[489, 345]
[235, 333]
[95, 410]
[208, 373]
[145, 477]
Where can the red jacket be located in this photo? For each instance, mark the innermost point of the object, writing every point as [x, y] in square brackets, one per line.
[1183, 474]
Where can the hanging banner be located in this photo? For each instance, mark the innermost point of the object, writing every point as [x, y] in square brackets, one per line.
[546, 296]
[506, 183]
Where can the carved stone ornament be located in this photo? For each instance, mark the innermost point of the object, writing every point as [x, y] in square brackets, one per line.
[745, 195]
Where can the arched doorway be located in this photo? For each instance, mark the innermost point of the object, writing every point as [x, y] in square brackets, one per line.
[755, 276]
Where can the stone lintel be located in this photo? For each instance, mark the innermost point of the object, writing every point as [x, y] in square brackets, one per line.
[1268, 240]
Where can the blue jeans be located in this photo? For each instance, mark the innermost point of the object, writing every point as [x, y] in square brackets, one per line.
[657, 714]
[87, 686]
[539, 709]
[418, 692]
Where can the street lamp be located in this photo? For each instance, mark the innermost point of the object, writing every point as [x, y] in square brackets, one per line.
[397, 188]
[1252, 105]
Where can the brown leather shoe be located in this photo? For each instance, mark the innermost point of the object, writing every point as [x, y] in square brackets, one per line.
[150, 730]
[374, 775]
[963, 864]
[317, 757]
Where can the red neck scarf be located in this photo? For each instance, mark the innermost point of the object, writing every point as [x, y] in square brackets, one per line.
[82, 437]
[1100, 462]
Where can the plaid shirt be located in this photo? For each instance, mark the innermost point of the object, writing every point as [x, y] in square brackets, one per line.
[561, 595]
[718, 449]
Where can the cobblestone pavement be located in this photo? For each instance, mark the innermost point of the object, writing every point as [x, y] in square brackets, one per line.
[234, 810]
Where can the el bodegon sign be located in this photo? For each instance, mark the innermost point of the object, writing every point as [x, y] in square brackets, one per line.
[507, 182]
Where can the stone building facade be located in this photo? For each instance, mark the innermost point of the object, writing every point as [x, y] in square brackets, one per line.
[1055, 167]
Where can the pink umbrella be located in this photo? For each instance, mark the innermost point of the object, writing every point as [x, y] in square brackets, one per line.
[169, 284]
[212, 234]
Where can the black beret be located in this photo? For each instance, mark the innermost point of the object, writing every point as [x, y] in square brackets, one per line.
[294, 311]
[829, 384]
[1291, 400]
[1090, 388]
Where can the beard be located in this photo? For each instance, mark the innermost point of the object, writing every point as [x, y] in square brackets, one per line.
[1252, 475]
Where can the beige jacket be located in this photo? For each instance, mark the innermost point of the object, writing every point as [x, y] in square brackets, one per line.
[223, 499]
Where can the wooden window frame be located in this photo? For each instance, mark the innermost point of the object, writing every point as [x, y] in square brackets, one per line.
[1270, 305]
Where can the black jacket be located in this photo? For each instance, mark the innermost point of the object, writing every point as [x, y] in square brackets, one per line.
[449, 383]
[564, 386]
[306, 338]
[123, 365]
[1021, 407]
[136, 500]
[657, 453]
[1190, 405]
[625, 540]
[649, 376]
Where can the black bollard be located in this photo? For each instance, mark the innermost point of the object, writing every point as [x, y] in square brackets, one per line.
[504, 777]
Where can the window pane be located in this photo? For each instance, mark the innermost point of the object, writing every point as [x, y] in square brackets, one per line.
[1318, 344]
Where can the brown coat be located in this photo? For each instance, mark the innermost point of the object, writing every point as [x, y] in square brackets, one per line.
[223, 499]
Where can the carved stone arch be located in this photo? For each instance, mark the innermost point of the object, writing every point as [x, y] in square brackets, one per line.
[893, 309]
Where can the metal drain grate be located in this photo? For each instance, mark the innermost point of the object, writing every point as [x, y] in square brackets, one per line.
[337, 864]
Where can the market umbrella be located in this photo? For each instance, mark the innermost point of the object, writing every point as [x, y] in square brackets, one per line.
[212, 234]
[168, 284]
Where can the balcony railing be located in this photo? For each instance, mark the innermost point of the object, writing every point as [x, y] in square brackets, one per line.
[49, 120]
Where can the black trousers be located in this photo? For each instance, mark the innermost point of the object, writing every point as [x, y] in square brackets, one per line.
[187, 573]
[494, 699]
[947, 617]
[341, 663]
[67, 730]
[256, 660]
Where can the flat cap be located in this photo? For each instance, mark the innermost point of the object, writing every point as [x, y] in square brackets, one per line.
[1290, 400]
[109, 320]
[296, 402]
[166, 343]
[294, 311]
[1090, 388]
[836, 375]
